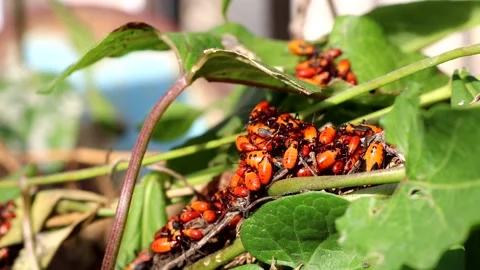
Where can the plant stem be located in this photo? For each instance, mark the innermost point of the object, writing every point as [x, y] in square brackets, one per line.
[134, 168]
[105, 169]
[426, 99]
[294, 185]
[391, 77]
[219, 258]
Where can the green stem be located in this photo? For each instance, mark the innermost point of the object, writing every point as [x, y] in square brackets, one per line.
[426, 99]
[391, 77]
[105, 169]
[294, 185]
[378, 192]
[134, 166]
[219, 258]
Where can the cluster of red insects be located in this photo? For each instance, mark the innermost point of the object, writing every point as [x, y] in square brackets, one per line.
[319, 67]
[6, 215]
[277, 146]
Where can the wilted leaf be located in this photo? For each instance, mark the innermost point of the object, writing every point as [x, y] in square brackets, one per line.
[47, 244]
[413, 26]
[42, 207]
[432, 209]
[299, 230]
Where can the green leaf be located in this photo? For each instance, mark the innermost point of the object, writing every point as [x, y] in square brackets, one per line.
[176, 122]
[125, 39]
[413, 26]
[132, 237]
[248, 267]
[154, 214]
[299, 230]
[401, 122]
[431, 210]
[146, 215]
[371, 54]
[465, 88]
[225, 5]
[228, 53]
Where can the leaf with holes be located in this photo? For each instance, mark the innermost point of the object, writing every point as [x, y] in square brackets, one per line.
[432, 209]
[413, 26]
[371, 54]
[465, 88]
[299, 230]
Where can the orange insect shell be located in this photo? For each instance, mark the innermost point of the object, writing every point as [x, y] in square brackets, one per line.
[353, 159]
[326, 159]
[195, 234]
[260, 130]
[351, 78]
[338, 166]
[322, 78]
[353, 143]
[236, 219]
[287, 119]
[243, 144]
[261, 143]
[265, 170]
[162, 245]
[343, 67]
[236, 180]
[290, 157]
[254, 158]
[306, 150]
[240, 191]
[252, 181]
[260, 108]
[209, 216]
[374, 156]
[188, 216]
[305, 73]
[327, 135]
[200, 206]
[310, 133]
[333, 53]
[304, 172]
[300, 47]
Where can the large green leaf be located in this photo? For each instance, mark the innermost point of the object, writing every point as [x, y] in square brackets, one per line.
[299, 230]
[227, 53]
[465, 88]
[432, 209]
[413, 26]
[371, 54]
